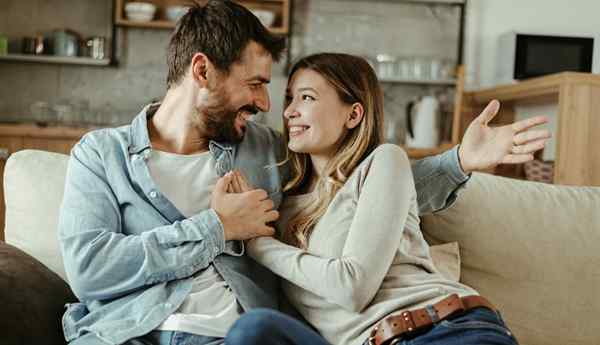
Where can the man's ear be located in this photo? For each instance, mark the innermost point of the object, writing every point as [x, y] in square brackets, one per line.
[199, 68]
[356, 115]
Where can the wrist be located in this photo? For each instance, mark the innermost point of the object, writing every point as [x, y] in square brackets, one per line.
[225, 225]
[462, 161]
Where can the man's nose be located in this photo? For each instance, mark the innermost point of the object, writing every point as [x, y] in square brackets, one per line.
[262, 100]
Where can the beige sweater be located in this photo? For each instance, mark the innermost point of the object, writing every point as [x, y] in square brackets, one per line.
[366, 257]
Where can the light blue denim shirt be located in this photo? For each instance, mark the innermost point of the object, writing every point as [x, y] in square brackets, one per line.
[130, 255]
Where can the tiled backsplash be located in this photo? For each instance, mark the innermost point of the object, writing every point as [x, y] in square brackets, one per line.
[115, 94]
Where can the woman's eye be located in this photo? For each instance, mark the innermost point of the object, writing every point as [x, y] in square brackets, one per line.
[307, 98]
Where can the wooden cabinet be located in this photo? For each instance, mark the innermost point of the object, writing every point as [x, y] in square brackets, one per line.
[577, 96]
[14, 138]
[281, 8]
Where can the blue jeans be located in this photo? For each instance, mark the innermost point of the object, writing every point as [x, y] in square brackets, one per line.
[479, 326]
[174, 338]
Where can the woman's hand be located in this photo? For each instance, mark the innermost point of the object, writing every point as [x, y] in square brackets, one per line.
[484, 147]
[239, 183]
[244, 212]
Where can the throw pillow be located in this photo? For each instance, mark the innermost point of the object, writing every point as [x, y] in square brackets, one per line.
[32, 299]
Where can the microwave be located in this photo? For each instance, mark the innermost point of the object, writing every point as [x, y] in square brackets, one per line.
[526, 55]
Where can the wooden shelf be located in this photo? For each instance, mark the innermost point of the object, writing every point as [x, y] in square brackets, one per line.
[75, 60]
[577, 96]
[281, 8]
[416, 153]
[444, 82]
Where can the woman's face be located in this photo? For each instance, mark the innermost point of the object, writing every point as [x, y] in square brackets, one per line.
[314, 115]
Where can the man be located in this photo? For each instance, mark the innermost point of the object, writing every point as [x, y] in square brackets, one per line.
[149, 255]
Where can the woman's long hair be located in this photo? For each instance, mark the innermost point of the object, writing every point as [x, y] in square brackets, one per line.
[355, 82]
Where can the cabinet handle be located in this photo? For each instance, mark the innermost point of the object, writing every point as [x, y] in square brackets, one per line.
[4, 153]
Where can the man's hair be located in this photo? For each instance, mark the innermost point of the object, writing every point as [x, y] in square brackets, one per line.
[220, 29]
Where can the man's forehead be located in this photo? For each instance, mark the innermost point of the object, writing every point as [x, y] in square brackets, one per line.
[255, 62]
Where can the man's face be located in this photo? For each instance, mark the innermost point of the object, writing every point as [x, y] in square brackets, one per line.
[234, 97]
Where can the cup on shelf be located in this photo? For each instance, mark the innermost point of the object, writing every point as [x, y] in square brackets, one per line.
[95, 47]
[35, 45]
[175, 12]
[448, 70]
[386, 65]
[42, 112]
[404, 68]
[3, 45]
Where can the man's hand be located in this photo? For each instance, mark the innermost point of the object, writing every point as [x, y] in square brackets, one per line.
[244, 215]
[485, 147]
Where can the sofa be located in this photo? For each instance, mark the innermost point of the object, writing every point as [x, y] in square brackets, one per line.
[533, 249]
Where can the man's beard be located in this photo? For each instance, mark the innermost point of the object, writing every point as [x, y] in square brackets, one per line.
[220, 125]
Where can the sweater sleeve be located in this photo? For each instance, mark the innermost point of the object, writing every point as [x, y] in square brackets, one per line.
[352, 280]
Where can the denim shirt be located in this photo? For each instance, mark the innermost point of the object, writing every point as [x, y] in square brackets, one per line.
[130, 255]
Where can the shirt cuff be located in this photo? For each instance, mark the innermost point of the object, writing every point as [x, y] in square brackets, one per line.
[215, 233]
[234, 248]
[451, 166]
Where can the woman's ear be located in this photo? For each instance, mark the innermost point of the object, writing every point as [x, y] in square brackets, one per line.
[199, 68]
[356, 115]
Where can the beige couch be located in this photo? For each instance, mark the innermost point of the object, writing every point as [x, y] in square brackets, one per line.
[533, 249]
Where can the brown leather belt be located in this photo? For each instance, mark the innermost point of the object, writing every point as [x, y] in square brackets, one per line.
[393, 328]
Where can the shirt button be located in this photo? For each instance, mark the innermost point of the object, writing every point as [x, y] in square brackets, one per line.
[153, 194]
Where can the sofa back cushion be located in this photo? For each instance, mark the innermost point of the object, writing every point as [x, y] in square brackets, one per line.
[33, 190]
[533, 249]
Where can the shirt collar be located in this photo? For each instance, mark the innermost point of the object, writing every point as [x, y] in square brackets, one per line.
[140, 140]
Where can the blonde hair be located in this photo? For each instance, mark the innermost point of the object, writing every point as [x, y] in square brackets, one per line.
[355, 82]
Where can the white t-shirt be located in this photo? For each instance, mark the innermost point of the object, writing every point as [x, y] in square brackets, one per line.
[188, 181]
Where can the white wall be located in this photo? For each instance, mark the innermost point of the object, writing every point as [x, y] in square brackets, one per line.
[487, 20]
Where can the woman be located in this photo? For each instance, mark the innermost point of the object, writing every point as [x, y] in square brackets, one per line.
[350, 249]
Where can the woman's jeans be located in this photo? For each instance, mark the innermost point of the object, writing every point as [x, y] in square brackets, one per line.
[479, 326]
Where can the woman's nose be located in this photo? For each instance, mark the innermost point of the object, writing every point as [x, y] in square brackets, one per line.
[290, 112]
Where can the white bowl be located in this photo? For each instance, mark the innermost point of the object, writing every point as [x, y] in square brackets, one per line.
[175, 12]
[140, 11]
[266, 17]
[139, 17]
[144, 7]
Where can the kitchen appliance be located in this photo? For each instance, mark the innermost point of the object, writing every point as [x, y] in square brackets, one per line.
[423, 122]
[65, 43]
[35, 45]
[527, 55]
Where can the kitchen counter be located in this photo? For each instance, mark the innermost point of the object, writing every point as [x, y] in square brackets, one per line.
[33, 130]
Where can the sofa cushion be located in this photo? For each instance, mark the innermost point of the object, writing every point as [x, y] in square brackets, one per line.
[32, 300]
[33, 190]
[534, 250]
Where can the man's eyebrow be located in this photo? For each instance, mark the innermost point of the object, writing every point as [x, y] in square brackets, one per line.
[261, 79]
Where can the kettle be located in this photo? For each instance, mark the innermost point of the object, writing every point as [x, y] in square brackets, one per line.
[423, 122]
